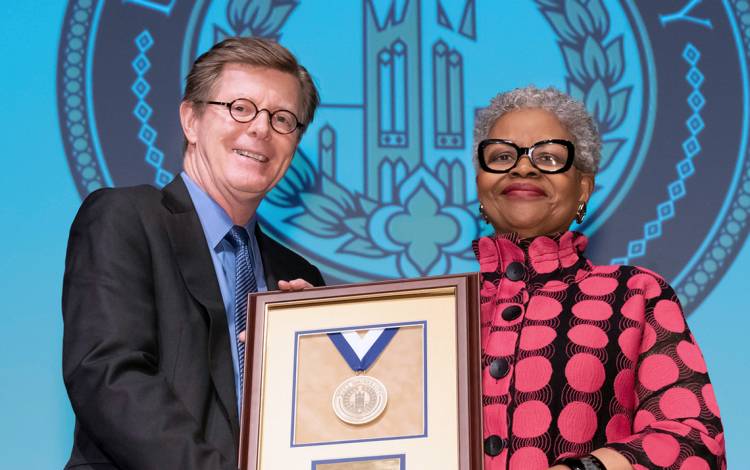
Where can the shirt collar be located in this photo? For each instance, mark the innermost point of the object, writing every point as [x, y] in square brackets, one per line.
[214, 219]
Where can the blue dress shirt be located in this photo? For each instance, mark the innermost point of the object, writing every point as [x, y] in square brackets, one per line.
[216, 224]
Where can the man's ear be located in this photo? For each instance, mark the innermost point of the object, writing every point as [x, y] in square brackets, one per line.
[189, 121]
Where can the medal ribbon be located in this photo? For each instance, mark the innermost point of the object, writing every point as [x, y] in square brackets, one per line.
[362, 363]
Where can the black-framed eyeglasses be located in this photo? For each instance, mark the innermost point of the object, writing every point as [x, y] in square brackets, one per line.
[243, 110]
[547, 156]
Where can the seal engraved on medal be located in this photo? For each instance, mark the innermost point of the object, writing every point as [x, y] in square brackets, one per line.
[360, 399]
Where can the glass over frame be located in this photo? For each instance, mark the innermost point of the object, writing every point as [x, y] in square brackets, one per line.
[244, 110]
[547, 156]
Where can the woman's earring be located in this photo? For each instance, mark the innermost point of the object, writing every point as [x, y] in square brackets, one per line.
[483, 214]
[581, 212]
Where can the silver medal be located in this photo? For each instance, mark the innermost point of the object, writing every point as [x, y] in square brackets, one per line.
[359, 399]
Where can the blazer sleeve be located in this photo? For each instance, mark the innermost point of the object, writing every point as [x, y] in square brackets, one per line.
[676, 421]
[111, 345]
[314, 277]
[281, 263]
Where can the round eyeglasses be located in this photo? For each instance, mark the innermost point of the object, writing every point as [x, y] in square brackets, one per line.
[243, 110]
[547, 156]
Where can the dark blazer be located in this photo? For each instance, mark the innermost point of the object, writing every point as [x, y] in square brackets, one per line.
[146, 352]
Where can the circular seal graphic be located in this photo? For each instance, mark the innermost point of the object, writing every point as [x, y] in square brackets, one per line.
[359, 399]
[382, 185]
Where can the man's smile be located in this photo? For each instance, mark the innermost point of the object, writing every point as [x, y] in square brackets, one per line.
[248, 154]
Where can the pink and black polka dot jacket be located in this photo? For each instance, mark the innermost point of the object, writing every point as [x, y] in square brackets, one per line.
[576, 357]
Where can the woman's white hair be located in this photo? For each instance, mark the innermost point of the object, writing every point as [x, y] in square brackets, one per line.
[571, 113]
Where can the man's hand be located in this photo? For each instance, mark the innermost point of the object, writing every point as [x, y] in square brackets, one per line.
[287, 286]
[295, 285]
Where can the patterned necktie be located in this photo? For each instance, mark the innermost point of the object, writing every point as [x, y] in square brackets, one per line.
[244, 283]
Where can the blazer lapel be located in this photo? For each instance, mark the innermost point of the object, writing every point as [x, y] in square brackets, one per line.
[271, 270]
[194, 260]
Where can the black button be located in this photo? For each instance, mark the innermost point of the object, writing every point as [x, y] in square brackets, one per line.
[511, 313]
[493, 445]
[499, 368]
[515, 271]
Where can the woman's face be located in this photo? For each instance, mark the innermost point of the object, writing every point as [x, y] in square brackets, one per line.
[525, 200]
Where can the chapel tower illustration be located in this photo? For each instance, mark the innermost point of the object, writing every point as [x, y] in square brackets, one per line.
[394, 97]
[393, 129]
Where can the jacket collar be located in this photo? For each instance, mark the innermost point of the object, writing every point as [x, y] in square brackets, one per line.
[545, 256]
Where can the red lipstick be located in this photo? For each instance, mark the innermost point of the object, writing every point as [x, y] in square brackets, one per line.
[524, 190]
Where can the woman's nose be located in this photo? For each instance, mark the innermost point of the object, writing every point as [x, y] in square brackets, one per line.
[524, 167]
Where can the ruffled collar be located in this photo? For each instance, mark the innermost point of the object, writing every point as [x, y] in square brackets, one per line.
[542, 256]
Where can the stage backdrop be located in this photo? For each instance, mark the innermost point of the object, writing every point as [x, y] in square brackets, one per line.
[382, 185]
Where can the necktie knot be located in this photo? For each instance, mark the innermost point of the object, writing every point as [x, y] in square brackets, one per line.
[238, 237]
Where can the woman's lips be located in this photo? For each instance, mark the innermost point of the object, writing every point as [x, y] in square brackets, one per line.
[523, 191]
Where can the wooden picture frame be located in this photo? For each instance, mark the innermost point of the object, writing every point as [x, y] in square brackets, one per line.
[431, 369]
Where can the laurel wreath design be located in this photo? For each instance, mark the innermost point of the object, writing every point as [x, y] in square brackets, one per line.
[330, 210]
[261, 18]
[595, 65]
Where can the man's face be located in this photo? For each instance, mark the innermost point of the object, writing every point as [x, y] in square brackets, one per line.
[234, 161]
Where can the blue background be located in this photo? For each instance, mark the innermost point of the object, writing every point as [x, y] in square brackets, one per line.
[39, 201]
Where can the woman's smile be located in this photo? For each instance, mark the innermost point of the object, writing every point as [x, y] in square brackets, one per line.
[523, 191]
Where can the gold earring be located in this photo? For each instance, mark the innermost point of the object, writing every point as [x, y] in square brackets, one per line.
[581, 212]
[483, 214]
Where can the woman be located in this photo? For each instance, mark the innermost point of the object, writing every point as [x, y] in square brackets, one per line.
[585, 366]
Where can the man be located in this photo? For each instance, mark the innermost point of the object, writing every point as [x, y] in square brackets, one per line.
[155, 281]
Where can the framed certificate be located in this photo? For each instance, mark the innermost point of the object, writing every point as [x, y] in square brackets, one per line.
[380, 376]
